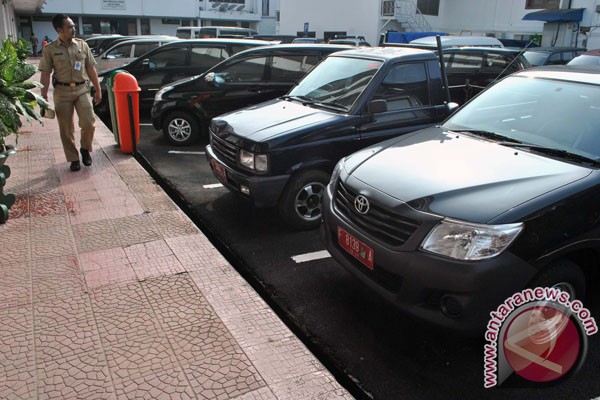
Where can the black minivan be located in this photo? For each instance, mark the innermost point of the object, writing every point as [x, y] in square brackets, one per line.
[448, 222]
[184, 109]
[174, 61]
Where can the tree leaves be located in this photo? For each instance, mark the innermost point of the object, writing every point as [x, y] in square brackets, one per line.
[16, 97]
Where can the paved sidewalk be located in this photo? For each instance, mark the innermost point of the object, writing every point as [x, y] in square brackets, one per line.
[108, 291]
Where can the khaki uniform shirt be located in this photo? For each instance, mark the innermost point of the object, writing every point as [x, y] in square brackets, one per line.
[68, 61]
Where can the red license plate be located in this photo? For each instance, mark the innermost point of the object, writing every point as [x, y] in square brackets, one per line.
[356, 248]
[219, 170]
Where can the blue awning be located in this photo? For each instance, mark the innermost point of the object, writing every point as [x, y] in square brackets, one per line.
[560, 15]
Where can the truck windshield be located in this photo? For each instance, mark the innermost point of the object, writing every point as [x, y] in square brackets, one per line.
[337, 80]
[546, 113]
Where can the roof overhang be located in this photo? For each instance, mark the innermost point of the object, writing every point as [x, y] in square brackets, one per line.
[560, 15]
[27, 6]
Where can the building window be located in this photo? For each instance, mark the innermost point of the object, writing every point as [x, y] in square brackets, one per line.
[387, 8]
[542, 4]
[145, 25]
[429, 7]
[168, 21]
[265, 8]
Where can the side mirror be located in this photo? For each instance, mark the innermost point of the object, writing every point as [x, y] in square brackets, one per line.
[214, 79]
[146, 63]
[451, 108]
[377, 106]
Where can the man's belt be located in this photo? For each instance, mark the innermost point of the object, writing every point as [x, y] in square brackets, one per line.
[71, 84]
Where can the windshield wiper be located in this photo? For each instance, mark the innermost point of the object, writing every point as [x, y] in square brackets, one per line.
[332, 105]
[551, 151]
[486, 134]
[302, 99]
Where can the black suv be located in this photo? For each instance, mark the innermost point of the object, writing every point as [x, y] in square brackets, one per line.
[450, 221]
[184, 109]
[174, 61]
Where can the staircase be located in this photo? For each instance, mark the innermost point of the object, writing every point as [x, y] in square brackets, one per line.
[408, 15]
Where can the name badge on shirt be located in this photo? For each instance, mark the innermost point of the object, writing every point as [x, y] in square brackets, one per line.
[77, 65]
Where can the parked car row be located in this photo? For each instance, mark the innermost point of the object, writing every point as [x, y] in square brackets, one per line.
[183, 109]
[444, 213]
[174, 61]
[445, 222]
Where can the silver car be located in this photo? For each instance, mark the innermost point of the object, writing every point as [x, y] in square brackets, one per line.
[126, 51]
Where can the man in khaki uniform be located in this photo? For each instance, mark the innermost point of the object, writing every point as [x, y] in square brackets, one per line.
[73, 65]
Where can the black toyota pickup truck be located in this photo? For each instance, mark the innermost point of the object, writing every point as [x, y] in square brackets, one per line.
[281, 152]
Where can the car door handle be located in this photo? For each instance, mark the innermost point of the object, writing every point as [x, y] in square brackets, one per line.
[255, 89]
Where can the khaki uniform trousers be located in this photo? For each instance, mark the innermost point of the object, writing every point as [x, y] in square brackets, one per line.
[67, 99]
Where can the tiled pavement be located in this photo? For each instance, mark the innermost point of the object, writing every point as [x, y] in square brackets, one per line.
[108, 291]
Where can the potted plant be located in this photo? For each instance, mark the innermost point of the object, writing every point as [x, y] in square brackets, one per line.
[16, 100]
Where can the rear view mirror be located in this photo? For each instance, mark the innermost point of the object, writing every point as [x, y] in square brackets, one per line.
[377, 106]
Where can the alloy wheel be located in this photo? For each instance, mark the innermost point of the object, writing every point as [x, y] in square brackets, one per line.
[308, 201]
[179, 129]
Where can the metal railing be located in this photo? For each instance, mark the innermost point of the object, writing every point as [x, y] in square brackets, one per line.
[407, 13]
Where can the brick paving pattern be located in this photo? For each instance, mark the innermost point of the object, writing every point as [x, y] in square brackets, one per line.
[108, 291]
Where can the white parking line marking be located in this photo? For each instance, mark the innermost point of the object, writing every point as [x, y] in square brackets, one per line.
[185, 152]
[317, 255]
[213, 186]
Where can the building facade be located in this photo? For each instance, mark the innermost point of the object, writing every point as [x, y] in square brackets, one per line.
[503, 19]
[141, 17]
[9, 20]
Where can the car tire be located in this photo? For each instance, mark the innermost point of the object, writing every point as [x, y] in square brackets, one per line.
[181, 128]
[562, 274]
[301, 203]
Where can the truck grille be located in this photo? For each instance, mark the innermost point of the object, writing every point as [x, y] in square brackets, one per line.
[223, 148]
[385, 225]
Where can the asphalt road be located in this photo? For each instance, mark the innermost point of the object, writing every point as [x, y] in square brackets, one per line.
[374, 350]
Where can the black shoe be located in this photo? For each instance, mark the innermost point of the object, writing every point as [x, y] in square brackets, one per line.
[86, 157]
[75, 166]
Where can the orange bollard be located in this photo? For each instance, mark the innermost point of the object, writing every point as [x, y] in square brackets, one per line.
[124, 85]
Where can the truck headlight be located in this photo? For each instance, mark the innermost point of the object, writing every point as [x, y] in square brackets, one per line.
[158, 96]
[467, 241]
[256, 162]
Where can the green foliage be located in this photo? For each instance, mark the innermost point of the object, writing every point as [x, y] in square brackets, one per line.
[16, 97]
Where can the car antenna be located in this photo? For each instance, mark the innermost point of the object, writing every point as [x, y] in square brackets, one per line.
[443, 67]
[519, 54]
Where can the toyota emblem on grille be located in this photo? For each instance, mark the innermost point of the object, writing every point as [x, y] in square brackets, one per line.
[361, 204]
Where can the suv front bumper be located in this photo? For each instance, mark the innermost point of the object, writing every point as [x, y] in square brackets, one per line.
[263, 191]
[455, 294]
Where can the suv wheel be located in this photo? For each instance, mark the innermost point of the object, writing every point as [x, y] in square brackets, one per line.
[301, 203]
[181, 128]
[562, 274]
